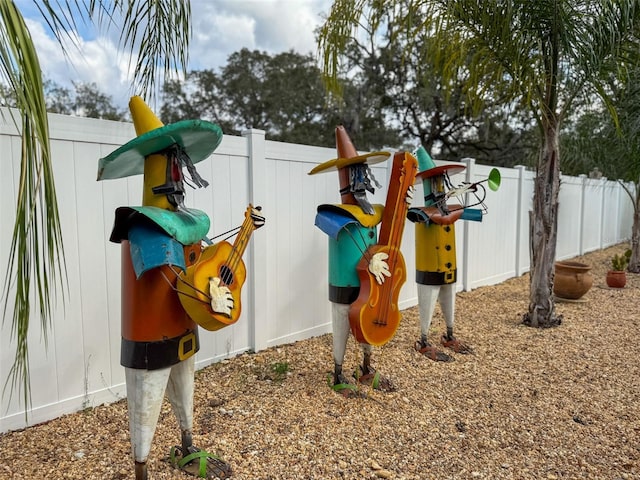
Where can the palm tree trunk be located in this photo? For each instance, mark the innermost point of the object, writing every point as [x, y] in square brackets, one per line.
[543, 232]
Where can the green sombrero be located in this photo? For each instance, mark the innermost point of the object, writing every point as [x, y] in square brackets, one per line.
[198, 138]
[427, 168]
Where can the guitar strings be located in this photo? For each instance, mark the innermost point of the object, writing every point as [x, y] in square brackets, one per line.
[231, 233]
[180, 279]
[359, 245]
[396, 235]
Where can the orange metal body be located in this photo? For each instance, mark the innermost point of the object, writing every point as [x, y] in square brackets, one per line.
[151, 310]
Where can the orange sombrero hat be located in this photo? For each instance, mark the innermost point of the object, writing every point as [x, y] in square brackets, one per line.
[347, 155]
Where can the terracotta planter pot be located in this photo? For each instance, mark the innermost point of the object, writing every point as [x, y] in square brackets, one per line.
[616, 278]
[572, 280]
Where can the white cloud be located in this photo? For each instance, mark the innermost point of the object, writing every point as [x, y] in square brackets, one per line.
[96, 61]
[220, 27]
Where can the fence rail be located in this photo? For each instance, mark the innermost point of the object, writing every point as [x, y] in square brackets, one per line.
[285, 296]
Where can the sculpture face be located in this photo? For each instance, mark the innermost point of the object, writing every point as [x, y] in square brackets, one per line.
[355, 181]
[163, 182]
[434, 191]
[360, 183]
[437, 184]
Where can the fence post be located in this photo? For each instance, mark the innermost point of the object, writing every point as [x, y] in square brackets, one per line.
[603, 198]
[521, 169]
[582, 213]
[618, 235]
[257, 276]
[466, 254]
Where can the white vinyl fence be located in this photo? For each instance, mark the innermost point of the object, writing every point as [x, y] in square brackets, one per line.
[285, 296]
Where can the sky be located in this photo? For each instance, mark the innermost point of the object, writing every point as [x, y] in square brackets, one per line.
[219, 28]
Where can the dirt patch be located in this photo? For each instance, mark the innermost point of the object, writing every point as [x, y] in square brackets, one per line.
[529, 403]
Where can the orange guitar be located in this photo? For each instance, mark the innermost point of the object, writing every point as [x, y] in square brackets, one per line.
[374, 317]
[220, 268]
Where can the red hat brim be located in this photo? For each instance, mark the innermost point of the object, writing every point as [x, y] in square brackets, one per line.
[450, 168]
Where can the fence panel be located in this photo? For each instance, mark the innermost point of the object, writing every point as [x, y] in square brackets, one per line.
[569, 217]
[625, 214]
[611, 210]
[592, 214]
[285, 297]
[498, 227]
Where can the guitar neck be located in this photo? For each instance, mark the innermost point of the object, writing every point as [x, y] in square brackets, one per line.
[403, 175]
[242, 240]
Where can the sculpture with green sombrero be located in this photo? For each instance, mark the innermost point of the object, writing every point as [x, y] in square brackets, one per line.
[160, 240]
[435, 244]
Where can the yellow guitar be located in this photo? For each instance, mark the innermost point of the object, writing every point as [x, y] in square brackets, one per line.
[210, 289]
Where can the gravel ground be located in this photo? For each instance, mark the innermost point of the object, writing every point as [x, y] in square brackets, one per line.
[559, 403]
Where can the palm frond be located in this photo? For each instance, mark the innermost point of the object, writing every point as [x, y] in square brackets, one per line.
[36, 254]
[156, 34]
[161, 32]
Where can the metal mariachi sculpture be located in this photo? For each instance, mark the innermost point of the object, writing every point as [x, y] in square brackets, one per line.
[170, 283]
[436, 246]
[365, 272]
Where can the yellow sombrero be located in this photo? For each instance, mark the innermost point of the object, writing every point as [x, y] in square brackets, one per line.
[347, 155]
[198, 138]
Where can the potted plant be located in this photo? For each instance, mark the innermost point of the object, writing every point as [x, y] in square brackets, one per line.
[572, 280]
[617, 276]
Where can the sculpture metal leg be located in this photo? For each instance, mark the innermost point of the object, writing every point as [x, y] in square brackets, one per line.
[447, 300]
[447, 304]
[180, 394]
[427, 298]
[428, 295]
[341, 330]
[145, 392]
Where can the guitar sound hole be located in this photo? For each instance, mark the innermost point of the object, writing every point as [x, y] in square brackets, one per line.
[226, 275]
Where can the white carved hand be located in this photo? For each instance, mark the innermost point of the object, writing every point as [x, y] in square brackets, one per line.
[221, 297]
[378, 267]
[461, 190]
[409, 197]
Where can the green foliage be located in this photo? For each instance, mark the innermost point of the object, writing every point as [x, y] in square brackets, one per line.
[91, 102]
[280, 368]
[340, 387]
[619, 262]
[7, 96]
[86, 101]
[275, 372]
[594, 139]
[283, 95]
[343, 386]
[404, 85]
[539, 54]
[387, 99]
